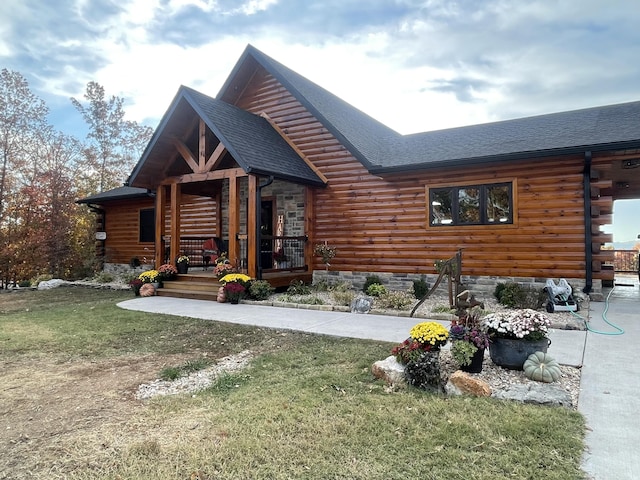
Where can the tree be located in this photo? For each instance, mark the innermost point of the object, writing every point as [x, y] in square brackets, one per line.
[22, 120]
[114, 143]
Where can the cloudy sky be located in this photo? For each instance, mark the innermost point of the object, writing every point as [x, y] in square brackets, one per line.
[415, 65]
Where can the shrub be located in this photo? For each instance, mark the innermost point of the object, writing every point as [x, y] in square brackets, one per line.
[298, 287]
[342, 287]
[343, 298]
[25, 283]
[104, 277]
[376, 289]
[260, 290]
[312, 300]
[514, 295]
[420, 288]
[395, 299]
[371, 280]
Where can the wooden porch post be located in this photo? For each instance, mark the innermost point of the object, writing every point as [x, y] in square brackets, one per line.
[309, 214]
[234, 218]
[176, 199]
[252, 211]
[161, 197]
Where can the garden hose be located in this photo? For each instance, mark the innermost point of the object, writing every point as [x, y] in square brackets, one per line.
[619, 331]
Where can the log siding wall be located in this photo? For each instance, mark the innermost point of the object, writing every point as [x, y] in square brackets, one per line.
[380, 224]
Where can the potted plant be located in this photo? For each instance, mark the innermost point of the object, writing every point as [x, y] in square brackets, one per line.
[235, 286]
[182, 264]
[420, 353]
[167, 271]
[135, 285]
[516, 334]
[150, 276]
[469, 340]
[223, 268]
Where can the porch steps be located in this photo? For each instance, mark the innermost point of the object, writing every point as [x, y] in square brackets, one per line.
[197, 286]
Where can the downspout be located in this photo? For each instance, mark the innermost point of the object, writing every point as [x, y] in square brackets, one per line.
[259, 224]
[588, 236]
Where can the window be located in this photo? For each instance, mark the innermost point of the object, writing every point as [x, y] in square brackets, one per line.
[471, 205]
[147, 225]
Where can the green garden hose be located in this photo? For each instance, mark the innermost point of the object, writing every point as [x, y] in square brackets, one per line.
[619, 331]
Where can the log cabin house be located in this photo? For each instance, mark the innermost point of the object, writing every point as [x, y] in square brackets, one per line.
[275, 163]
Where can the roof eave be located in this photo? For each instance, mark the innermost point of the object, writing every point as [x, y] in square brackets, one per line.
[461, 162]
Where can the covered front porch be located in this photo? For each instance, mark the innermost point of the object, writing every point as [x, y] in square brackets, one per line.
[229, 181]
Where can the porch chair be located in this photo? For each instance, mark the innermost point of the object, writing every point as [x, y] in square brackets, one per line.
[211, 249]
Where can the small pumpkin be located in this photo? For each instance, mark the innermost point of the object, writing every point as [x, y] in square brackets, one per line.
[147, 290]
[222, 295]
[542, 368]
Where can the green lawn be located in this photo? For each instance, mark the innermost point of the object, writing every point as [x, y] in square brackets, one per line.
[306, 408]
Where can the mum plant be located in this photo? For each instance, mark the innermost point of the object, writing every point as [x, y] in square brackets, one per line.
[234, 291]
[423, 337]
[182, 259]
[150, 276]
[167, 271]
[523, 324]
[223, 268]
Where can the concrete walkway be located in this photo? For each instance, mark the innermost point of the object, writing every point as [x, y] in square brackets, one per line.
[608, 397]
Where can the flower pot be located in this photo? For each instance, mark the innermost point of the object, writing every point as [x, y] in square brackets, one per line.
[182, 267]
[513, 352]
[476, 362]
[234, 301]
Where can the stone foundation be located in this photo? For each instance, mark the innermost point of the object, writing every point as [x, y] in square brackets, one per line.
[479, 285]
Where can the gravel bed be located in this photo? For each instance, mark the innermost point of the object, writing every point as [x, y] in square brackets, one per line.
[197, 380]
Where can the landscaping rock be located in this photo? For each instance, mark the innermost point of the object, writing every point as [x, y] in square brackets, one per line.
[361, 304]
[461, 383]
[389, 370]
[542, 394]
[49, 284]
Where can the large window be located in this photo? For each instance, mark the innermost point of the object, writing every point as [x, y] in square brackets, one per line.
[147, 225]
[471, 205]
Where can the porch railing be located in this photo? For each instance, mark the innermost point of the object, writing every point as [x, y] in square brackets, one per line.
[625, 261]
[282, 253]
[192, 247]
[277, 253]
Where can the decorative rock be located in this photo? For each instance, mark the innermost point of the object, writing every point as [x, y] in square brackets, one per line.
[361, 304]
[389, 370]
[542, 394]
[49, 284]
[461, 383]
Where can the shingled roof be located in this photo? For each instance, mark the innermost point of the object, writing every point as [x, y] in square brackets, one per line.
[251, 140]
[381, 149]
[120, 193]
[365, 137]
[258, 148]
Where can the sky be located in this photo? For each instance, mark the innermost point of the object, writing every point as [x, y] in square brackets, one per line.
[413, 65]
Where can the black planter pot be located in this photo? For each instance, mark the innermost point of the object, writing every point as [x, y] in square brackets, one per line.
[513, 352]
[182, 267]
[476, 362]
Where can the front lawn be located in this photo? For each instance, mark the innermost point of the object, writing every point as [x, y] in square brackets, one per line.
[307, 407]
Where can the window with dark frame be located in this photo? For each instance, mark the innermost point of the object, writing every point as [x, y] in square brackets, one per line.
[490, 204]
[147, 225]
